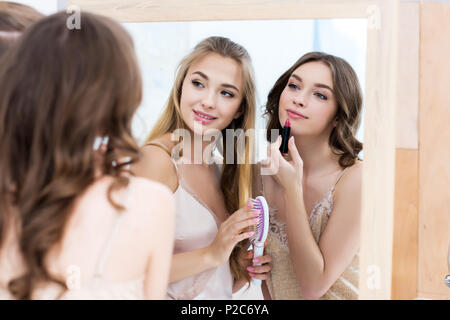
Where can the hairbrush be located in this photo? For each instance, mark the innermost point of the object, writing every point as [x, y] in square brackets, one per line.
[261, 230]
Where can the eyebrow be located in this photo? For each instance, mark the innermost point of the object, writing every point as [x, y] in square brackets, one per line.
[225, 85]
[319, 85]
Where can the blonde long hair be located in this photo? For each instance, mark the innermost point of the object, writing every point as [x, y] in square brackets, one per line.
[235, 179]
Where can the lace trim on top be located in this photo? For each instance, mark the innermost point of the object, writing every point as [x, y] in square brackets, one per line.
[321, 207]
[183, 184]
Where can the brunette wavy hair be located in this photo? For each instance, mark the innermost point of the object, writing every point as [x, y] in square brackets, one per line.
[14, 19]
[60, 89]
[348, 95]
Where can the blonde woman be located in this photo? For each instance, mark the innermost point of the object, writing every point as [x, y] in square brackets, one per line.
[315, 190]
[213, 91]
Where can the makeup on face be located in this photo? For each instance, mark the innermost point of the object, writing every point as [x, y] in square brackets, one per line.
[202, 117]
[308, 99]
[211, 93]
[295, 115]
[285, 133]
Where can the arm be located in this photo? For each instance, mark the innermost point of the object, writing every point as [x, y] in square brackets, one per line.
[318, 266]
[155, 164]
[161, 239]
[190, 263]
[265, 291]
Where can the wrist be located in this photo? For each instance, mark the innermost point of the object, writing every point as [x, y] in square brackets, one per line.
[293, 188]
[293, 193]
[210, 258]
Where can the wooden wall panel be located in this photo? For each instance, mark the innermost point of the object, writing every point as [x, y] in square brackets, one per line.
[434, 143]
[405, 250]
[206, 10]
[408, 73]
[404, 260]
[379, 156]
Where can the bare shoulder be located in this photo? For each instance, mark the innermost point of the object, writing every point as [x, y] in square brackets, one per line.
[151, 198]
[156, 164]
[352, 178]
[152, 209]
[151, 188]
[350, 185]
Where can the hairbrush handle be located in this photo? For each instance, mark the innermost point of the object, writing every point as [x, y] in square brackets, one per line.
[258, 248]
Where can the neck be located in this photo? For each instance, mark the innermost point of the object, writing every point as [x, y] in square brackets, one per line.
[316, 154]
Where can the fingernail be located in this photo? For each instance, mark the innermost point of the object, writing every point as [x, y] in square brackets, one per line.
[250, 268]
[251, 274]
[255, 260]
[249, 205]
[256, 220]
[250, 233]
[257, 212]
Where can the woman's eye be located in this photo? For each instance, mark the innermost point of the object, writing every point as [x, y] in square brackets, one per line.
[197, 83]
[227, 94]
[321, 96]
[293, 86]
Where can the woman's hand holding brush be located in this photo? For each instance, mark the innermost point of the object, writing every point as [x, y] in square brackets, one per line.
[232, 231]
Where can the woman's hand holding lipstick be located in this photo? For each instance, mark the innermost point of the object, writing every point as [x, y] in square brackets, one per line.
[289, 173]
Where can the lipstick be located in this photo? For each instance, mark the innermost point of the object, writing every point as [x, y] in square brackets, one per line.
[285, 136]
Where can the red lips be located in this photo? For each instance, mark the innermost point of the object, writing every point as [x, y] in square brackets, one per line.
[294, 114]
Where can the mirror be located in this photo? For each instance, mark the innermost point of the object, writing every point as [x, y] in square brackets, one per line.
[380, 79]
[273, 46]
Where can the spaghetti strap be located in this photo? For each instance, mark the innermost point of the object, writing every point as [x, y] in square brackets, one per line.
[162, 146]
[158, 144]
[99, 268]
[340, 176]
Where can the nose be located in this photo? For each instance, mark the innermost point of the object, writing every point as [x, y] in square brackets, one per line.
[299, 99]
[208, 100]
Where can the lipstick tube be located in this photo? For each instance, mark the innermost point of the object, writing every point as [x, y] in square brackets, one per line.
[285, 133]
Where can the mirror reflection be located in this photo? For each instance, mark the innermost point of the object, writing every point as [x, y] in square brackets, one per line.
[273, 47]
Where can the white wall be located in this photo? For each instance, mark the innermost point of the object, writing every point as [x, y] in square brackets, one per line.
[273, 46]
